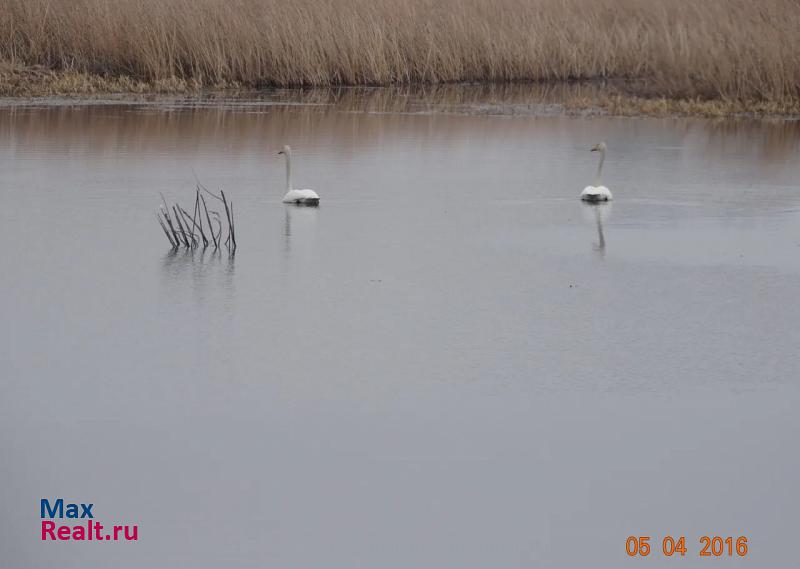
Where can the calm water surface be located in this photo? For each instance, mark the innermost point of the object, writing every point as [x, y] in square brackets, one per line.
[445, 365]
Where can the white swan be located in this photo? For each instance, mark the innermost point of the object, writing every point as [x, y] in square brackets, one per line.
[299, 197]
[598, 192]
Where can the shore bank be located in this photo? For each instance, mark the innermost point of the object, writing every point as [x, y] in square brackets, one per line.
[21, 86]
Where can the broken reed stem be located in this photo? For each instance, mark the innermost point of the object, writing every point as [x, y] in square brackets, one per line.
[175, 228]
[199, 217]
[166, 231]
[233, 228]
[187, 220]
[208, 218]
[187, 229]
[174, 239]
[165, 213]
[180, 225]
[231, 240]
[194, 213]
[219, 227]
[194, 225]
[227, 215]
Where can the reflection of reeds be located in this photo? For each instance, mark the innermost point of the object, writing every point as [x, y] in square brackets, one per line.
[740, 49]
[183, 229]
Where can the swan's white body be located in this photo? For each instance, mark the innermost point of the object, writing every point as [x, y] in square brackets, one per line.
[598, 192]
[301, 197]
[298, 197]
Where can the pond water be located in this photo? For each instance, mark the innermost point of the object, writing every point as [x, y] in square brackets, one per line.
[444, 365]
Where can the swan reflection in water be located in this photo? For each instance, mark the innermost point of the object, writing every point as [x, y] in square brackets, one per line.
[299, 223]
[599, 213]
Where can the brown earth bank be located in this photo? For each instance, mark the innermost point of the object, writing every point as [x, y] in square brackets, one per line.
[617, 98]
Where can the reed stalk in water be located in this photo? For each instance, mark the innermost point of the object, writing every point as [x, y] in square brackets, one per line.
[182, 229]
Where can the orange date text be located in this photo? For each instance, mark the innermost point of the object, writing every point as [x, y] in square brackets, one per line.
[709, 546]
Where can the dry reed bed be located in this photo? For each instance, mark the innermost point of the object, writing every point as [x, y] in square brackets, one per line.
[745, 50]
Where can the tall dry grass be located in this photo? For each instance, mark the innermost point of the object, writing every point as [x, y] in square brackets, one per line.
[739, 49]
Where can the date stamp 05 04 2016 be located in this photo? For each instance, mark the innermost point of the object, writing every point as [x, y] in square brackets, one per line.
[710, 546]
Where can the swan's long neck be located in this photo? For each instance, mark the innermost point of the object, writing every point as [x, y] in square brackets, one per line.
[600, 166]
[288, 172]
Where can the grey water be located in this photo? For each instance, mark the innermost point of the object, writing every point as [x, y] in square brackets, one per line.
[452, 362]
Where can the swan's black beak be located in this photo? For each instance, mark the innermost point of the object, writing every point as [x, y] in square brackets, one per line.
[594, 149]
[281, 152]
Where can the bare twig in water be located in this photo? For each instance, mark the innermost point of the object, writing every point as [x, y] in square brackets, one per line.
[166, 231]
[194, 220]
[180, 225]
[208, 218]
[202, 187]
[183, 229]
[219, 226]
[199, 216]
[194, 225]
[165, 214]
[233, 228]
[231, 240]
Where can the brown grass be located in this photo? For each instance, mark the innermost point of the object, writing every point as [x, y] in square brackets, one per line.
[735, 50]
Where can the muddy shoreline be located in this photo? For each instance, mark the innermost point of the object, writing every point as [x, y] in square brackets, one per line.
[38, 86]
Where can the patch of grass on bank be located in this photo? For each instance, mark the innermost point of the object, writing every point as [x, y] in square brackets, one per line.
[631, 106]
[16, 81]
